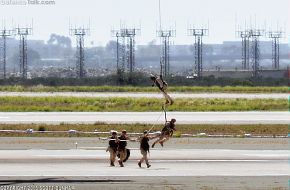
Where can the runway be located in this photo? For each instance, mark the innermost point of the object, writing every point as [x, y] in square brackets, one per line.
[171, 162]
[144, 117]
[172, 168]
[148, 95]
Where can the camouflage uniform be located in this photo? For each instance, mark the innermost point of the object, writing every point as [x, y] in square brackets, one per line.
[144, 148]
[113, 145]
[122, 151]
[166, 132]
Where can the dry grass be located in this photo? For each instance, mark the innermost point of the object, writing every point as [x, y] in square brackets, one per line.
[190, 129]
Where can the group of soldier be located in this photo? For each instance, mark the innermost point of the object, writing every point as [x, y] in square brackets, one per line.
[117, 145]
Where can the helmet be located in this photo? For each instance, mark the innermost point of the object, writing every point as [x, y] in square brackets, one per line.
[114, 132]
[173, 120]
[152, 77]
[124, 131]
[145, 132]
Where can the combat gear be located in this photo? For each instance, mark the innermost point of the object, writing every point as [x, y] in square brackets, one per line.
[144, 149]
[166, 132]
[144, 143]
[162, 85]
[113, 144]
[112, 148]
[122, 151]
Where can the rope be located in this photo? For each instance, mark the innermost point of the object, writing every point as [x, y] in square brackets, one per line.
[160, 40]
[154, 123]
[160, 24]
[165, 113]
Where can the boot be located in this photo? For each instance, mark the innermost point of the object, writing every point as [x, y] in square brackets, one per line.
[121, 163]
[148, 165]
[153, 145]
[161, 144]
[139, 164]
[112, 163]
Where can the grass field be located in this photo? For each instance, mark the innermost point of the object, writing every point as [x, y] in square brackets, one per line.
[188, 89]
[70, 104]
[181, 129]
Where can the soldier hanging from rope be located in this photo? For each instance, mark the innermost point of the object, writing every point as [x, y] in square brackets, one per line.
[162, 85]
[166, 132]
[169, 127]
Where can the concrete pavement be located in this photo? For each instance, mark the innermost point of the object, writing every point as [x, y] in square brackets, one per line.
[145, 117]
[171, 162]
[148, 95]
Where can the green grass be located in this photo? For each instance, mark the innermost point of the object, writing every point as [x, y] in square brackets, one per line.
[84, 104]
[188, 89]
[181, 129]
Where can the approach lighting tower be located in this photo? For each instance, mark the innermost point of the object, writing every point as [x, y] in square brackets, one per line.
[255, 35]
[80, 33]
[245, 49]
[165, 36]
[121, 50]
[23, 33]
[126, 48]
[198, 49]
[4, 33]
[275, 36]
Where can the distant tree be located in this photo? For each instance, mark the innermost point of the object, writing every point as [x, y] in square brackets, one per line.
[33, 57]
[152, 43]
[61, 41]
[111, 48]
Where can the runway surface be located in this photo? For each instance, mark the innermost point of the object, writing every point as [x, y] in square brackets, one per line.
[145, 117]
[170, 162]
[172, 168]
[149, 95]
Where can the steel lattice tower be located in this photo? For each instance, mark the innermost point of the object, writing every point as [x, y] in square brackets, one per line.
[245, 49]
[121, 50]
[198, 48]
[23, 33]
[255, 51]
[80, 34]
[275, 36]
[4, 34]
[165, 36]
[125, 48]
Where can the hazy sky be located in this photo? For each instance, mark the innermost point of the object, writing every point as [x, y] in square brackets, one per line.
[106, 14]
